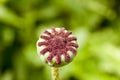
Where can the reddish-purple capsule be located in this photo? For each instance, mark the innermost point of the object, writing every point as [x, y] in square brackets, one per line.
[57, 46]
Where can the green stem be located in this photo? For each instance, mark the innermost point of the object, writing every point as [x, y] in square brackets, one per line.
[55, 73]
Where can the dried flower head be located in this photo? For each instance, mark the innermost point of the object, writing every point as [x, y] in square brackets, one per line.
[57, 46]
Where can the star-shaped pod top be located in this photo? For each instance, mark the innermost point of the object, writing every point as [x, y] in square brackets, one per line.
[57, 47]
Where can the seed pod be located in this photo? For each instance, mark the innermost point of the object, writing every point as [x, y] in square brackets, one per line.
[57, 47]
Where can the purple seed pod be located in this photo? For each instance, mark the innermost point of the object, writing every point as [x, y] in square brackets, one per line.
[57, 47]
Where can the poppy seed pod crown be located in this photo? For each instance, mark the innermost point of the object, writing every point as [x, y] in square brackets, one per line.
[57, 47]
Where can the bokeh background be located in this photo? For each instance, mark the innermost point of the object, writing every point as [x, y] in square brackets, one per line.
[96, 23]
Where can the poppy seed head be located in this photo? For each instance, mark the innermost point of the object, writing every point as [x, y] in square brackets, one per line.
[57, 47]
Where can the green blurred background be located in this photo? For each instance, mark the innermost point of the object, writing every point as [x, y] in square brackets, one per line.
[96, 23]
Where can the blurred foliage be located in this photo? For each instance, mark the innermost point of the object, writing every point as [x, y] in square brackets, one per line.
[96, 23]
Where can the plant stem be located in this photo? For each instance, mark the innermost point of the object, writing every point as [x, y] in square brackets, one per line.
[55, 73]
